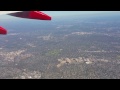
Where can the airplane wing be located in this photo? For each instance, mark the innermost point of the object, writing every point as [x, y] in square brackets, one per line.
[38, 15]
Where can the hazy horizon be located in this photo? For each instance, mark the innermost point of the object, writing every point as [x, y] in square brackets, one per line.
[70, 13]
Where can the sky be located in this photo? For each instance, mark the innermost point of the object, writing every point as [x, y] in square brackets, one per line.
[61, 14]
[67, 13]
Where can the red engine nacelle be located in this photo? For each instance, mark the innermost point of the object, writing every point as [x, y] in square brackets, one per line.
[3, 31]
